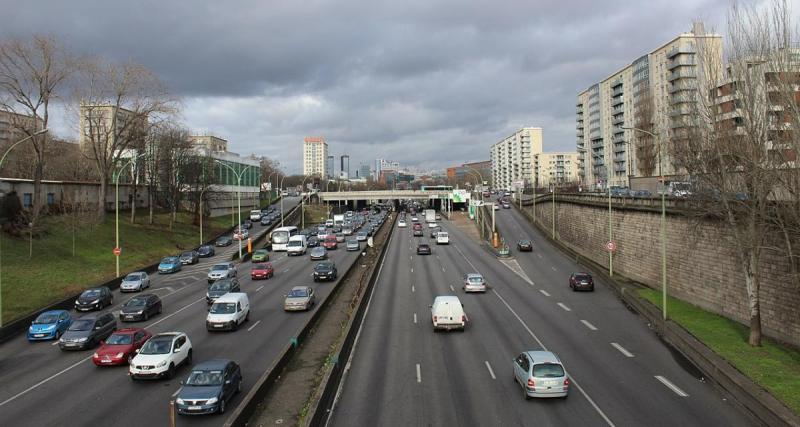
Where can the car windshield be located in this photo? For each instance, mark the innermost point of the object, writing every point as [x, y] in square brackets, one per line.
[260, 266]
[119, 339]
[203, 249]
[294, 243]
[324, 266]
[168, 260]
[548, 370]
[205, 378]
[223, 239]
[46, 318]
[525, 242]
[475, 279]
[261, 252]
[582, 277]
[89, 293]
[133, 277]
[220, 286]
[219, 267]
[82, 325]
[187, 254]
[157, 346]
[298, 293]
[136, 302]
[280, 237]
[223, 308]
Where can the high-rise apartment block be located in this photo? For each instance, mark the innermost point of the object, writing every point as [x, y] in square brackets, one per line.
[104, 124]
[315, 156]
[12, 126]
[344, 167]
[556, 168]
[209, 142]
[513, 158]
[383, 164]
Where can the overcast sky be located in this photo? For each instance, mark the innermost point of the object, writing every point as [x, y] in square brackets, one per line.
[429, 83]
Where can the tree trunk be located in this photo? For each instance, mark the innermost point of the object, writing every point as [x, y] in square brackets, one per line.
[753, 298]
[37, 193]
[133, 203]
[150, 203]
[101, 199]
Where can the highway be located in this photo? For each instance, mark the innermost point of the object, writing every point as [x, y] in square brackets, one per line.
[402, 373]
[43, 386]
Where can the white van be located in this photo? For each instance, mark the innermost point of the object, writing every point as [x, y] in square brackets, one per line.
[447, 313]
[298, 244]
[255, 215]
[442, 238]
[228, 312]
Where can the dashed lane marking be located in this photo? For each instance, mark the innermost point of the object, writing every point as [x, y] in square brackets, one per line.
[254, 325]
[589, 325]
[671, 386]
[489, 367]
[544, 292]
[561, 304]
[622, 349]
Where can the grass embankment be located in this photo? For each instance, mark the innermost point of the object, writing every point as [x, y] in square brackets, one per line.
[315, 214]
[53, 273]
[772, 366]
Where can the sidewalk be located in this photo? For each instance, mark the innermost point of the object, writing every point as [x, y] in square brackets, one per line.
[466, 225]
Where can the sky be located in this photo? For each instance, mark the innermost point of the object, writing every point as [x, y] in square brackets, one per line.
[428, 83]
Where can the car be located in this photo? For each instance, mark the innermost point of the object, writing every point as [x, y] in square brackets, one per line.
[347, 230]
[49, 325]
[339, 238]
[506, 205]
[496, 207]
[262, 270]
[581, 281]
[447, 313]
[433, 225]
[135, 282]
[318, 253]
[434, 233]
[442, 238]
[642, 194]
[170, 264]
[330, 242]
[353, 245]
[205, 251]
[224, 241]
[255, 215]
[266, 219]
[312, 242]
[260, 255]
[362, 236]
[140, 307]
[160, 356]
[94, 299]
[222, 270]
[241, 234]
[87, 330]
[541, 374]
[190, 257]
[438, 217]
[299, 298]
[414, 218]
[325, 271]
[209, 387]
[525, 245]
[120, 347]
[423, 249]
[246, 225]
[401, 223]
[228, 312]
[474, 282]
[417, 232]
[220, 288]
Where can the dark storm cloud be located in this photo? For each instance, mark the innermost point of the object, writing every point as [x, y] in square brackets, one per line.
[428, 83]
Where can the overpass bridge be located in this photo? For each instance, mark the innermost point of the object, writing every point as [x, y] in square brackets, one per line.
[382, 195]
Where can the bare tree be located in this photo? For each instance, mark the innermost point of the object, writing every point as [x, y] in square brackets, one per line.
[174, 155]
[76, 214]
[645, 144]
[199, 175]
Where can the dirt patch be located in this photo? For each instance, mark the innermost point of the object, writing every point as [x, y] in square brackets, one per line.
[467, 226]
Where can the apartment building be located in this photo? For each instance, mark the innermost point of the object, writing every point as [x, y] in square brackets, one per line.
[11, 125]
[315, 156]
[469, 172]
[556, 168]
[383, 164]
[513, 158]
[654, 93]
[104, 124]
[209, 142]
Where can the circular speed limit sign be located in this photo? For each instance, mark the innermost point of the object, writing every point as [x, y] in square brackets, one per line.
[611, 246]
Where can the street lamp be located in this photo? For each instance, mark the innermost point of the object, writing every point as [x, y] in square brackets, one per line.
[115, 176]
[302, 202]
[2, 160]
[280, 188]
[655, 136]
[238, 197]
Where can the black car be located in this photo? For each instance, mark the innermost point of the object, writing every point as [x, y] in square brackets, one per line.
[423, 249]
[266, 220]
[224, 241]
[140, 307]
[525, 246]
[581, 281]
[190, 257]
[205, 251]
[86, 331]
[221, 287]
[94, 299]
[247, 225]
[325, 271]
[312, 242]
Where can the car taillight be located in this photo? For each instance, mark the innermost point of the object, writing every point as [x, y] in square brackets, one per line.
[463, 319]
[434, 318]
[531, 383]
[566, 382]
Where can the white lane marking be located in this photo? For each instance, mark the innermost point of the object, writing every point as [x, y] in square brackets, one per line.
[561, 304]
[55, 342]
[544, 292]
[287, 269]
[554, 269]
[410, 258]
[167, 317]
[415, 317]
[671, 386]
[419, 374]
[177, 391]
[443, 270]
[45, 380]
[589, 325]
[412, 269]
[412, 288]
[622, 349]
[452, 289]
[262, 287]
[489, 367]
[254, 325]
[539, 255]
[514, 266]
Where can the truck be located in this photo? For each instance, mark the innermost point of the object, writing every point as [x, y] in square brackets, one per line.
[338, 220]
[430, 215]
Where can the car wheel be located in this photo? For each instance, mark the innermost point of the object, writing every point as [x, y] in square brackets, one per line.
[525, 393]
[111, 302]
[130, 358]
[160, 308]
[247, 316]
[171, 371]
[222, 406]
[189, 357]
[146, 316]
[239, 387]
[58, 334]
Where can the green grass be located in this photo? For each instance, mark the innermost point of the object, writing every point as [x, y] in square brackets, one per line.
[53, 273]
[772, 366]
[315, 214]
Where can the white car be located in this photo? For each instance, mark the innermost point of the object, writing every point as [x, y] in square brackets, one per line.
[432, 225]
[255, 215]
[241, 234]
[161, 355]
[442, 238]
[414, 218]
[401, 223]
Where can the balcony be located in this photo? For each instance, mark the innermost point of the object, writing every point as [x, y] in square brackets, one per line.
[681, 99]
[681, 87]
[682, 74]
[619, 100]
[681, 62]
[618, 139]
[617, 91]
[682, 49]
[620, 167]
[618, 120]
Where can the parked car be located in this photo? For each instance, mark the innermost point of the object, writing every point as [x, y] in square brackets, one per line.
[94, 299]
[260, 255]
[447, 313]
[541, 374]
[325, 271]
[353, 245]
[49, 325]
[262, 270]
[222, 270]
[87, 330]
[220, 288]
[134, 282]
[170, 264]
[474, 282]
[581, 281]
[140, 307]
[224, 241]
[206, 251]
[228, 311]
[161, 355]
[120, 347]
[299, 298]
[190, 257]
[423, 249]
[318, 253]
[525, 245]
[209, 388]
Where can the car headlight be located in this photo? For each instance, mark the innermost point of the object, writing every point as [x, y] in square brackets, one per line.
[95, 301]
[119, 355]
[162, 364]
[179, 401]
[82, 339]
[212, 401]
[96, 356]
[139, 312]
[207, 295]
[30, 328]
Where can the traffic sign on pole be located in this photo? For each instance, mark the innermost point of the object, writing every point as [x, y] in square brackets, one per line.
[611, 246]
[117, 251]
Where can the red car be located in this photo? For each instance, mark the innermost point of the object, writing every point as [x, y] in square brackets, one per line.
[262, 271]
[330, 242]
[120, 347]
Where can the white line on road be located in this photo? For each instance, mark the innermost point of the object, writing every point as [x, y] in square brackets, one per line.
[260, 288]
[254, 325]
[412, 269]
[46, 380]
[671, 386]
[561, 304]
[419, 374]
[177, 391]
[539, 255]
[287, 269]
[452, 289]
[554, 269]
[412, 288]
[183, 308]
[589, 325]
[544, 292]
[489, 367]
[443, 270]
[622, 349]
[415, 317]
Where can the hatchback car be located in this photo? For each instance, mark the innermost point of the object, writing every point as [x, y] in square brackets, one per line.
[120, 347]
[581, 282]
[190, 257]
[330, 242]
[362, 236]
[262, 270]
[94, 299]
[525, 246]
[246, 225]
[423, 249]
[205, 251]
[88, 330]
[224, 241]
[170, 264]
[474, 282]
[401, 223]
[161, 355]
[222, 270]
[209, 388]
[318, 253]
[260, 255]
[325, 271]
[299, 298]
[140, 307]
[339, 238]
[434, 233]
[49, 325]
[266, 220]
[541, 374]
[136, 281]
[220, 288]
[353, 245]
[241, 234]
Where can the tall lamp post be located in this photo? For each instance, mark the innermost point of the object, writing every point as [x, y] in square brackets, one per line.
[115, 177]
[655, 136]
[3, 160]
[269, 196]
[238, 176]
[280, 188]
[302, 202]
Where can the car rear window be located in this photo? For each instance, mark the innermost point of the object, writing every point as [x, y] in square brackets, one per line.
[582, 277]
[548, 370]
[475, 279]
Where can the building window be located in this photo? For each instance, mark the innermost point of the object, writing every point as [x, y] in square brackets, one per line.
[51, 198]
[27, 200]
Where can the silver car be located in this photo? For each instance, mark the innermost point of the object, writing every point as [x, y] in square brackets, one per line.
[318, 253]
[136, 281]
[474, 282]
[221, 271]
[352, 245]
[300, 298]
[541, 374]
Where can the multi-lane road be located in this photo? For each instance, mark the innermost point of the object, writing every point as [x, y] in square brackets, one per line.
[43, 386]
[402, 373]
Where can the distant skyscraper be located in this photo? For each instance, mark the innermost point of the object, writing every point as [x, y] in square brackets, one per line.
[329, 169]
[363, 171]
[315, 153]
[345, 166]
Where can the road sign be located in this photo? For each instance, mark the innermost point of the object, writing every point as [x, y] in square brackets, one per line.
[117, 251]
[611, 246]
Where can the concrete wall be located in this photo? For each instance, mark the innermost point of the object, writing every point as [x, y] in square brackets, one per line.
[83, 192]
[701, 265]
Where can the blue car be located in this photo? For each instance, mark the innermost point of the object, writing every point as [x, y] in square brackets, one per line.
[209, 388]
[169, 264]
[49, 325]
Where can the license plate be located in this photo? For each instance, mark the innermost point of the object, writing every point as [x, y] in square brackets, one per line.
[195, 408]
[70, 344]
[128, 317]
[551, 383]
[217, 326]
[105, 361]
[38, 335]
